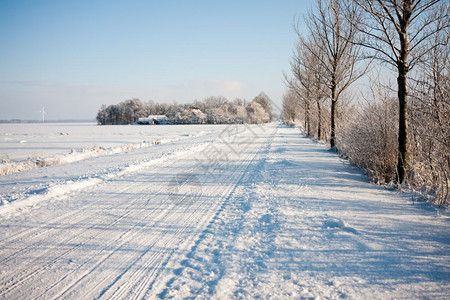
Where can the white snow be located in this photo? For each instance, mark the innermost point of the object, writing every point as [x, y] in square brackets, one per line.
[234, 212]
[47, 145]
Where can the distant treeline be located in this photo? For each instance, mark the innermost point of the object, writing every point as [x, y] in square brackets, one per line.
[212, 110]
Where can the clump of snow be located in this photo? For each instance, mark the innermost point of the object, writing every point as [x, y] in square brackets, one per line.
[3, 201]
[336, 223]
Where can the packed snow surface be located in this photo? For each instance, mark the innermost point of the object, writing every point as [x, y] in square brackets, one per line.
[236, 212]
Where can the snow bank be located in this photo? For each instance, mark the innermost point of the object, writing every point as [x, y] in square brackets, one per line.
[61, 190]
[8, 167]
[57, 191]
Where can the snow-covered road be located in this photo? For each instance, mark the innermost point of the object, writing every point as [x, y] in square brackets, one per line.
[244, 212]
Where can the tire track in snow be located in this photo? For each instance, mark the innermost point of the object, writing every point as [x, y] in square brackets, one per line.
[46, 230]
[154, 263]
[8, 285]
[26, 273]
[229, 259]
[143, 285]
[149, 262]
[36, 232]
[104, 257]
[187, 270]
[227, 185]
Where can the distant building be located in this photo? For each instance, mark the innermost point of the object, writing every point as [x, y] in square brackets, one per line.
[153, 120]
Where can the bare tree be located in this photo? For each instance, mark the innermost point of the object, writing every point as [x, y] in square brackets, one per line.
[290, 107]
[301, 82]
[307, 83]
[430, 121]
[318, 91]
[320, 122]
[395, 31]
[333, 33]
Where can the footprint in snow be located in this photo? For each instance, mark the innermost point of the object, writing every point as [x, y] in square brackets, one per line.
[267, 219]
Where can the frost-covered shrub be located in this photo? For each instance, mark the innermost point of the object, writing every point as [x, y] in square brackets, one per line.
[257, 113]
[429, 172]
[369, 140]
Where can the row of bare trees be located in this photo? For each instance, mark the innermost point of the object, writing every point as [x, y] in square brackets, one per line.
[345, 40]
[325, 62]
[212, 110]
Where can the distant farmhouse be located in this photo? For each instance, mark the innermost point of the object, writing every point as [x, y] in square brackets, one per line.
[153, 120]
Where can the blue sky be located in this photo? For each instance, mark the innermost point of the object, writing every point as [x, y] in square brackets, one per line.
[73, 56]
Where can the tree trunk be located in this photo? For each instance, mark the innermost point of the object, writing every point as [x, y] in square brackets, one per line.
[402, 125]
[307, 120]
[403, 101]
[333, 116]
[319, 117]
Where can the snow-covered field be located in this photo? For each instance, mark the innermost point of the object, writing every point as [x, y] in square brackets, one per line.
[214, 212]
[27, 146]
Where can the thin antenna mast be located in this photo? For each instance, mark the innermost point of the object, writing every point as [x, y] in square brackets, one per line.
[43, 114]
